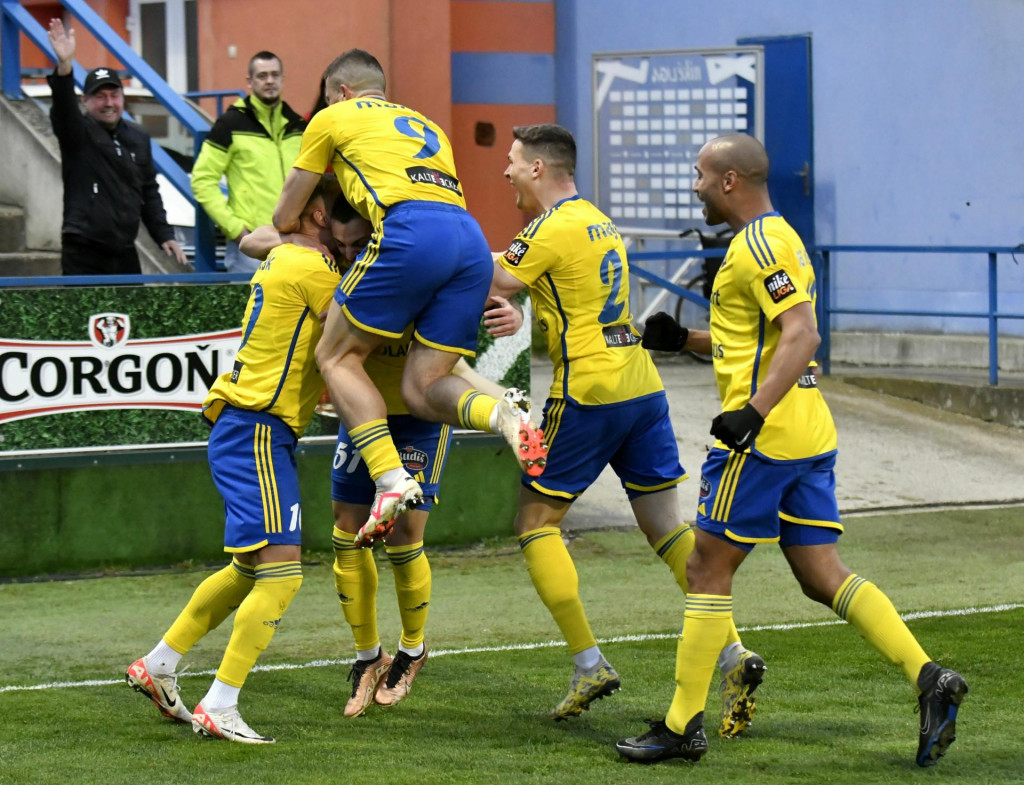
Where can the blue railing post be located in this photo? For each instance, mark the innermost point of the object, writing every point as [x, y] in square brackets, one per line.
[205, 237]
[993, 321]
[10, 50]
[825, 310]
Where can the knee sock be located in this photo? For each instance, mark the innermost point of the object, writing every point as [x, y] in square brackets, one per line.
[705, 627]
[211, 603]
[556, 581]
[866, 607]
[412, 585]
[257, 618]
[475, 410]
[355, 578]
[374, 442]
[674, 549]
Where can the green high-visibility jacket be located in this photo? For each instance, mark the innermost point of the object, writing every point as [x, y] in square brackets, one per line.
[253, 145]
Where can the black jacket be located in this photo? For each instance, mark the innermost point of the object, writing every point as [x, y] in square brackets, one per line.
[109, 178]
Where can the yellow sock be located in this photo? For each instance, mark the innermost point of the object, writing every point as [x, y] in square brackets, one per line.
[412, 585]
[674, 549]
[374, 442]
[474, 410]
[705, 626]
[866, 607]
[556, 581]
[211, 603]
[257, 618]
[355, 578]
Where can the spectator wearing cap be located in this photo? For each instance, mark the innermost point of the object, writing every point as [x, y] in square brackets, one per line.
[107, 167]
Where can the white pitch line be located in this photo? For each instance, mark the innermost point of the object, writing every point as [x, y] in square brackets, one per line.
[434, 653]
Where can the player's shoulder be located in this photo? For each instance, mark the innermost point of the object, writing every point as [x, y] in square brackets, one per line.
[767, 240]
[293, 260]
[572, 210]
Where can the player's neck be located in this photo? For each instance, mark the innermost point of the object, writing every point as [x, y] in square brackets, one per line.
[557, 192]
[749, 210]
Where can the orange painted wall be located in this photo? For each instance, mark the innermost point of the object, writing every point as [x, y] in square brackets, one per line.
[481, 169]
[420, 73]
[89, 52]
[503, 27]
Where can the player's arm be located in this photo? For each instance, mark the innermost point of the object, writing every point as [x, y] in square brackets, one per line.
[296, 192]
[259, 242]
[665, 334]
[798, 342]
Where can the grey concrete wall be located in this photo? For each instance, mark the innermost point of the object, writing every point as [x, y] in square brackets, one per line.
[937, 352]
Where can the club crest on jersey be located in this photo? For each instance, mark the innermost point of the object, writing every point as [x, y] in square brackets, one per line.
[414, 460]
[779, 286]
[515, 253]
[109, 329]
[705, 487]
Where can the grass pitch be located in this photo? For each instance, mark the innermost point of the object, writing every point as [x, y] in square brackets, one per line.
[830, 710]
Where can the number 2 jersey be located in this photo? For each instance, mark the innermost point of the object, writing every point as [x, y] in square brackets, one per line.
[383, 153]
[766, 271]
[574, 263]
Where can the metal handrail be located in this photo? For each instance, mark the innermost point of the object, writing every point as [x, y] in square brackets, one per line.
[14, 19]
[220, 95]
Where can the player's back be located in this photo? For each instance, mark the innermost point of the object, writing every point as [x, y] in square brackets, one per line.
[574, 262]
[383, 153]
[274, 369]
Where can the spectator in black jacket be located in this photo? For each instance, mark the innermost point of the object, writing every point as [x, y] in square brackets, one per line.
[109, 178]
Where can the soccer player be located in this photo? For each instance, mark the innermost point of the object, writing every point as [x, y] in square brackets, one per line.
[375, 676]
[427, 265]
[257, 412]
[769, 477]
[606, 406]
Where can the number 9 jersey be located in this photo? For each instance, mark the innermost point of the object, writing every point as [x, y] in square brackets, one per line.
[574, 263]
[383, 154]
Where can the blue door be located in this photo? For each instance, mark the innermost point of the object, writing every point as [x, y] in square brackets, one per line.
[788, 128]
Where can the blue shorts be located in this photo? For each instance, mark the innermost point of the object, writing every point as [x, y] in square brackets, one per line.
[430, 266]
[635, 438]
[422, 446]
[746, 500]
[252, 460]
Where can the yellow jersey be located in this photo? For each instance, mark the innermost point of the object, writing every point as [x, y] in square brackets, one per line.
[382, 153]
[385, 366]
[574, 263]
[766, 271]
[275, 369]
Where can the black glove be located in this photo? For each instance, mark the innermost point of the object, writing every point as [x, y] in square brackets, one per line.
[737, 429]
[663, 333]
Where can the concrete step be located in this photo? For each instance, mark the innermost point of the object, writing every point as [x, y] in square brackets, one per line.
[23, 263]
[12, 228]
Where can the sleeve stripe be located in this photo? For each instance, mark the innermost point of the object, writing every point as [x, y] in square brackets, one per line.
[751, 238]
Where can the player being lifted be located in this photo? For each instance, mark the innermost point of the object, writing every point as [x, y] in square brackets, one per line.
[257, 412]
[427, 264]
[606, 407]
[770, 476]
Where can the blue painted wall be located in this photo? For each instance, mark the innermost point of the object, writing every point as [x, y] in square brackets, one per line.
[918, 122]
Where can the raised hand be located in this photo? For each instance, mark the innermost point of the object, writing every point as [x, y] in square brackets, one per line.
[63, 43]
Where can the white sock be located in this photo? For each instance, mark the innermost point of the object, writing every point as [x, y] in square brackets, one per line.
[368, 654]
[587, 658]
[390, 477]
[415, 653]
[727, 653]
[163, 660]
[492, 423]
[220, 696]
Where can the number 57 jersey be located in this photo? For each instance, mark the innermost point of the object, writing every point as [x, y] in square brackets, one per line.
[574, 263]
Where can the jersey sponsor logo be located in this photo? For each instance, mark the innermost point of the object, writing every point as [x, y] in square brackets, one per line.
[424, 174]
[617, 335]
[779, 286]
[807, 380]
[236, 371]
[414, 460]
[515, 253]
[705, 487]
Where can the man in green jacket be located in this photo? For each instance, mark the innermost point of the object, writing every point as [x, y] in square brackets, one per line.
[253, 144]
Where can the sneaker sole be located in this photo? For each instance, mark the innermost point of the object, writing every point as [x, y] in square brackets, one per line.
[946, 733]
[140, 688]
[533, 452]
[576, 711]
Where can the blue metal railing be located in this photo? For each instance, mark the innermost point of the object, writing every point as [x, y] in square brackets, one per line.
[822, 256]
[14, 19]
[220, 95]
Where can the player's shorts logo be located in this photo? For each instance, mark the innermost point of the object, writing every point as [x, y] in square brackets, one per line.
[515, 253]
[414, 460]
[705, 487]
[109, 329]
